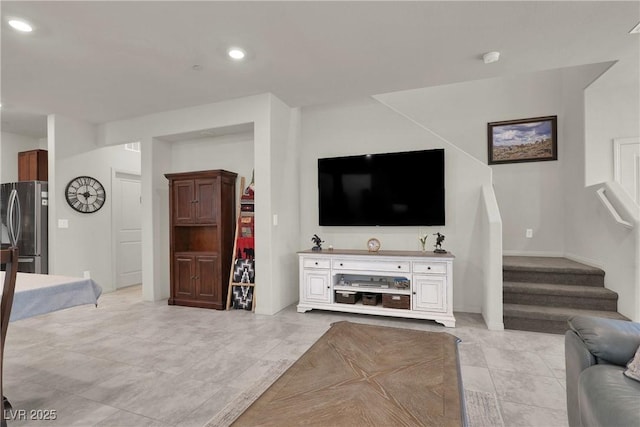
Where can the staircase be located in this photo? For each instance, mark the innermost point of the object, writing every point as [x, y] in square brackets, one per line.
[540, 293]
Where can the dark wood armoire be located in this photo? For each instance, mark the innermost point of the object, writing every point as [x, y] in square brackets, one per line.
[202, 220]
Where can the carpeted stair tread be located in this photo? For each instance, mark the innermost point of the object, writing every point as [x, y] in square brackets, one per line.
[557, 289]
[554, 313]
[551, 320]
[541, 293]
[548, 264]
[558, 295]
[550, 270]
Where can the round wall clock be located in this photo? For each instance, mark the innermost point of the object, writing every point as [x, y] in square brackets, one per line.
[373, 245]
[85, 194]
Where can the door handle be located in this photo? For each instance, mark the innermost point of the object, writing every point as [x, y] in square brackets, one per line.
[13, 217]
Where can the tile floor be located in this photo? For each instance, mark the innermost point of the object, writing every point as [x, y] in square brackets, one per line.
[136, 363]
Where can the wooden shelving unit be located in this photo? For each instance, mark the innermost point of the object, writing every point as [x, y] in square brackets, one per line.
[202, 213]
[244, 246]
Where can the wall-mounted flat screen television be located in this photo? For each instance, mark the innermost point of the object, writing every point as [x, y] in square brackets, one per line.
[391, 189]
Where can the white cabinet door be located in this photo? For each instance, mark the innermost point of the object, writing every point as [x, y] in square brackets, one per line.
[429, 293]
[317, 286]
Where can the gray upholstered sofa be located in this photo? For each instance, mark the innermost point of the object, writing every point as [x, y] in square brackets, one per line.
[596, 353]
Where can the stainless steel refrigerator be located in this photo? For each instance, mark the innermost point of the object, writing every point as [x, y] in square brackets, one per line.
[31, 218]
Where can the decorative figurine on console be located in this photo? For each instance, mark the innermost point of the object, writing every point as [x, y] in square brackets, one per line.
[318, 242]
[438, 244]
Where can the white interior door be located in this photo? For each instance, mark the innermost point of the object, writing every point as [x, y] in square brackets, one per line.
[127, 226]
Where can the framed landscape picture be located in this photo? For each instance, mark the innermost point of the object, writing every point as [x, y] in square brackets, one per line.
[525, 140]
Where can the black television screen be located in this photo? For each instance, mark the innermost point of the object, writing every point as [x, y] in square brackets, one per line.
[397, 189]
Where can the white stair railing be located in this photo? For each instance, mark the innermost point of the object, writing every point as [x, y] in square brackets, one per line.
[604, 194]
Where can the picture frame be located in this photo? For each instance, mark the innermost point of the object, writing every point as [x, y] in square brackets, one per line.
[523, 140]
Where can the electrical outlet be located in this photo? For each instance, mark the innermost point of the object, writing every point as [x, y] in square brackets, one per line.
[529, 233]
[87, 274]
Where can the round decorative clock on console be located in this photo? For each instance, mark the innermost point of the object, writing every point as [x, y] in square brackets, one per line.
[85, 194]
[373, 245]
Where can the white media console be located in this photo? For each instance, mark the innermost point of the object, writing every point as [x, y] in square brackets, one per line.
[419, 282]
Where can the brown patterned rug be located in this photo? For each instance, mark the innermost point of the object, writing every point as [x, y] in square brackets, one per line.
[358, 374]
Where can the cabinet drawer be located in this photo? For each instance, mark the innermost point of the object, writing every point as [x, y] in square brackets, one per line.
[430, 267]
[397, 266]
[316, 263]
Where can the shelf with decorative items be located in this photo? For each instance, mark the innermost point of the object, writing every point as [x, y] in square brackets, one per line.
[368, 284]
[410, 284]
[242, 277]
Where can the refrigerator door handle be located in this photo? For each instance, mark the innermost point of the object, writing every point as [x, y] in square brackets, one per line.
[13, 217]
[25, 259]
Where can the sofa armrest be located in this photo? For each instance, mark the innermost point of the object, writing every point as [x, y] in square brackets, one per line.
[577, 359]
[614, 341]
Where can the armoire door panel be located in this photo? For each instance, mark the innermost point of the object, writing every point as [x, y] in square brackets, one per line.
[183, 201]
[206, 201]
[184, 276]
[207, 277]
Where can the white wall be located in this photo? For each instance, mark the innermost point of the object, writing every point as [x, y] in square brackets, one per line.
[285, 199]
[10, 145]
[491, 225]
[86, 244]
[156, 161]
[612, 110]
[529, 194]
[591, 235]
[230, 152]
[366, 126]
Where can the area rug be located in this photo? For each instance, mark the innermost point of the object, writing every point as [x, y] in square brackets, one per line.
[358, 374]
[482, 409]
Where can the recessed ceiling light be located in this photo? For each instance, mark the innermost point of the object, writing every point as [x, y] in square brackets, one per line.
[236, 53]
[635, 30]
[490, 57]
[20, 25]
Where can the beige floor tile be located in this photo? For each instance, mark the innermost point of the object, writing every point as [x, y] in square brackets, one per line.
[516, 387]
[515, 414]
[471, 354]
[128, 419]
[516, 361]
[477, 379]
[132, 362]
[62, 409]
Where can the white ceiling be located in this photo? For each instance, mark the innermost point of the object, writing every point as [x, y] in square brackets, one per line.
[103, 61]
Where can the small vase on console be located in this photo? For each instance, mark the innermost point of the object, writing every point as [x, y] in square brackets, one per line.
[423, 241]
